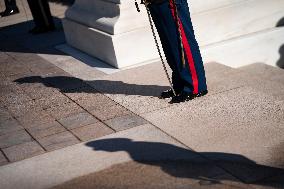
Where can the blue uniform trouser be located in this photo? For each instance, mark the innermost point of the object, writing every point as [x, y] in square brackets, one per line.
[191, 76]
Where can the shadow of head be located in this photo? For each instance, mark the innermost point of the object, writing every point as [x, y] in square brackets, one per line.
[74, 85]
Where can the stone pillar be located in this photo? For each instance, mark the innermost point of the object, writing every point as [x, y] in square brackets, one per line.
[111, 30]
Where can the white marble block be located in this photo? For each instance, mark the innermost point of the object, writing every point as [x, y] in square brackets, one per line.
[110, 30]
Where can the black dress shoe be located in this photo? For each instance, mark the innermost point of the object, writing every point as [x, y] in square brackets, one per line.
[201, 93]
[167, 94]
[184, 96]
[9, 12]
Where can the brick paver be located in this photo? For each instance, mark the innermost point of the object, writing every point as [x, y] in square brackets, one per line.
[78, 120]
[3, 160]
[14, 138]
[47, 129]
[64, 110]
[18, 110]
[80, 92]
[125, 122]
[42, 107]
[35, 118]
[92, 131]
[9, 125]
[23, 151]
[91, 101]
[58, 141]
[4, 114]
[109, 112]
[54, 100]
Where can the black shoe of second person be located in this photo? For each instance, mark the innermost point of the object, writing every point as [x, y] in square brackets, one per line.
[167, 94]
[184, 96]
[9, 12]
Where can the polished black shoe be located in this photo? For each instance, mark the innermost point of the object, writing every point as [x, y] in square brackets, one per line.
[9, 12]
[167, 94]
[184, 96]
[201, 93]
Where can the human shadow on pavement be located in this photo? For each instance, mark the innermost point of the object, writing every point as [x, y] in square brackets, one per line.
[280, 62]
[184, 163]
[67, 84]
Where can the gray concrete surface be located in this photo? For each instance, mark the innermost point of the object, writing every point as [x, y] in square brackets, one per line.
[144, 143]
[236, 130]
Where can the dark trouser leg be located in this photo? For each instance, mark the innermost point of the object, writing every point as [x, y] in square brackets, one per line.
[11, 4]
[35, 12]
[41, 13]
[192, 48]
[192, 73]
[157, 15]
[46, 15]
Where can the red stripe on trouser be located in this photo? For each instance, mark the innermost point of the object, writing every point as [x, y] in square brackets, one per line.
[187, 52]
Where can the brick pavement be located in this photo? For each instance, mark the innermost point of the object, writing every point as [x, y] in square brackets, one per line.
[43, 108]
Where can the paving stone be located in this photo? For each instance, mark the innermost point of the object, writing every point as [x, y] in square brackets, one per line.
[14, 138]
[18, 110]
[92, 101]
[8, 89]
[92, 131]
[80, 92]
[44, 68]
[3, 159]
[57, 141]
[78, 120]
[40, 91]
[35, 118]
[23, 151]
[109, 112]
[65, 82]
[15, 98]
[52, 101]
[9, 125]
[15, 69]
[4, 114]
[125, 122]
[64, 110]
[47, 129]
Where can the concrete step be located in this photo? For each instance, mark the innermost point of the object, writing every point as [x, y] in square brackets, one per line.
[263, 47]
[235, 117]
[138, 88]
[197, 6]
[236, 19]
[265, 72]
[240, 121]
[265, 78]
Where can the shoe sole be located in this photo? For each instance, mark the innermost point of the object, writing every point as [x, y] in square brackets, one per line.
[193, 97]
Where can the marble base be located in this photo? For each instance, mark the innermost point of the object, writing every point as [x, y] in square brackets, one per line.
[119, 50]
